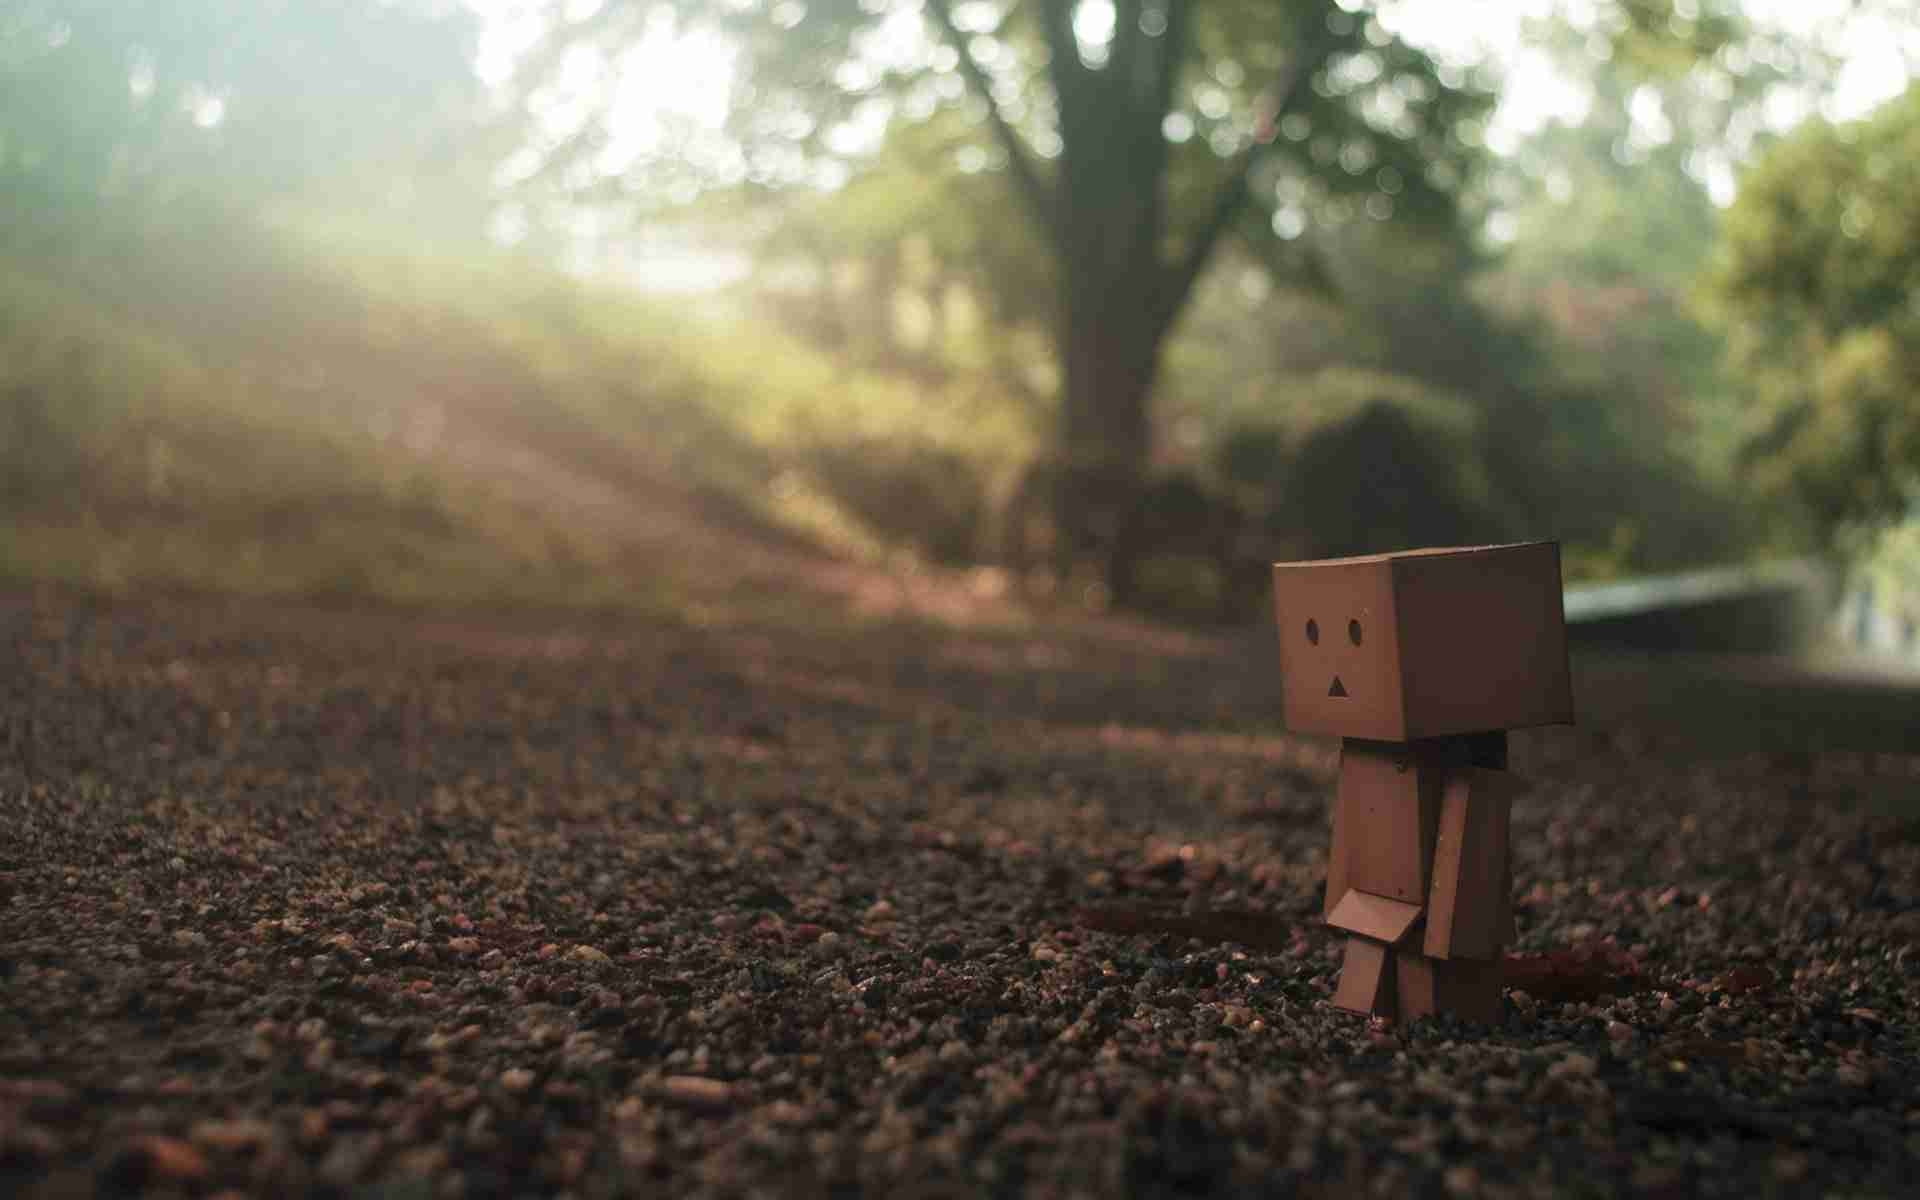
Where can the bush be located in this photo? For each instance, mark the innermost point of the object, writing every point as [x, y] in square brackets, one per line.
[1367, 463]
[912, 494]
[1187, 533]
[1383, 480]
[1359, 462]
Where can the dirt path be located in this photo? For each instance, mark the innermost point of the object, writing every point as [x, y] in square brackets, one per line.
[299, 902]
[725, 565]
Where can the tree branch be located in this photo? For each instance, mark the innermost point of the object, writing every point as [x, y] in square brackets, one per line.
[1232, 196]
[1169, 55]
[1056, 27]
[1173, 54]
[1072, 85]
[1123, 52]
[1033, 189]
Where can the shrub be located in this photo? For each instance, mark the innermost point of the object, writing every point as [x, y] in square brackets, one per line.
[1383, 479]
[909, 493]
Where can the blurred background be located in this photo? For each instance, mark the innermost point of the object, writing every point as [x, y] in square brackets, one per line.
[1108, 303]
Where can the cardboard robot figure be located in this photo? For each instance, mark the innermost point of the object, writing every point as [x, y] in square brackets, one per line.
[1421, 661]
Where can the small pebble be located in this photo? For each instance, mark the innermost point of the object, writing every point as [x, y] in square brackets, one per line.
[516, 1080]
[170, 1159]
[786, 1112]
[696, 1092]
[1573, 1066]
[231, 1135]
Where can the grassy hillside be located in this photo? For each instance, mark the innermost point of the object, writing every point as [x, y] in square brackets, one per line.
[304, 413]
[139, 455]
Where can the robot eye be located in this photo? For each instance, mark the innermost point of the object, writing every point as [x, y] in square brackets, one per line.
[1353, 632]
[1313, 631]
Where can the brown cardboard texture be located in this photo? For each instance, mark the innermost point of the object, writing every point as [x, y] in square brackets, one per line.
[1423, 643]
[1376, 917]
[1390, 801]
[1507, 930]
[1366, 979]
[1469, 911]
[1330, 683]
[1461, 987]
[1347, 830]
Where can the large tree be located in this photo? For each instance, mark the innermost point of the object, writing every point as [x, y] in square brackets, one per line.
[1133, 136]
[1818, 277]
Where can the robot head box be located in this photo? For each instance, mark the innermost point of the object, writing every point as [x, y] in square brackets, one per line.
[1423, 643]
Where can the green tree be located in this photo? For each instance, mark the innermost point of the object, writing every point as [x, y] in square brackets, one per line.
[1817, 278]
[1133, 136]
[1609, 224]
[914, 221]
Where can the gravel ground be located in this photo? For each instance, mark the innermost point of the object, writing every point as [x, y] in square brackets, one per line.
[305, 903]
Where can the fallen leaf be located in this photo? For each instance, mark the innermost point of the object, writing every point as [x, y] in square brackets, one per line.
[1261, 931]
[1742, 980]
[1584, 972]
[516, 1079]
[171, 1158]
[232, 1135]
[697, 1092]
[1696, 1048]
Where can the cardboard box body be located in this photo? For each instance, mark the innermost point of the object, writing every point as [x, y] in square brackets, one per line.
[1423, 643]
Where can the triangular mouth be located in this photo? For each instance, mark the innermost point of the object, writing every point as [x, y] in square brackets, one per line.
[1338, 688]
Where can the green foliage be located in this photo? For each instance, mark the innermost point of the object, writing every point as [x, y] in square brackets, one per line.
[909, 494]
[1603, 267]
[1363, 462]
[1820, 265]
[1612, 224]
[1355, 462]
[1669, 37]
[1381, 480]
[321, 411]
[1547, 438]
[1390, 305]
[761, 426]
[1574, 462]
[1583, 208]
[914, 220]
[133, 457]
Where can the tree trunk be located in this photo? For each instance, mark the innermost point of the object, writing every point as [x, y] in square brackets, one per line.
[1111, 352]
[1103, 212]
[1110, 183]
